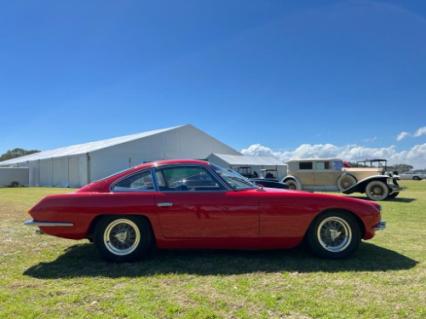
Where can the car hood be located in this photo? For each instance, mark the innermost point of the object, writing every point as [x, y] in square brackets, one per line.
[338, 198]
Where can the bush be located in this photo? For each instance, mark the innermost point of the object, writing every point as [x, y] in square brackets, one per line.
[14, 184]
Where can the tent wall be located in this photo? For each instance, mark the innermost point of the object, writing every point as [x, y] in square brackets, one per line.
[8, 175]
[185, 142]
[77, 170]
[58, 172]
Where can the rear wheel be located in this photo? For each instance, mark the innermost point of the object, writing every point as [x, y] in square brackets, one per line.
[292, 184]
[377, 190]
[123, 238]
[334, 235]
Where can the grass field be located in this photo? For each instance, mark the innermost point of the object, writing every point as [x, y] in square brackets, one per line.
[46, 277]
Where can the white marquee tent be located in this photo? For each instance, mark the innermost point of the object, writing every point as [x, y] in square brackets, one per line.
[77, 165]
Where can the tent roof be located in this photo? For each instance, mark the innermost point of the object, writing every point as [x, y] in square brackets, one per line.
[84, 148]
[248, 160]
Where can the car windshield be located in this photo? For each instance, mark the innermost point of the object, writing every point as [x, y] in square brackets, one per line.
[233, 179]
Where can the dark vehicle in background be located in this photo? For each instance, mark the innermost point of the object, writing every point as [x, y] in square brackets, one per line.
[267, 179]
[269, 183]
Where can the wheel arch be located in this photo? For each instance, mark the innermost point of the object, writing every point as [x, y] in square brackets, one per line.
[362, 184]
[340, 210]
[291, 177]
[95, 220]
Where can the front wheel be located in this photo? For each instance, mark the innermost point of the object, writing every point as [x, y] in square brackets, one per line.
[123, 238]
[334, 235]
[377, 190]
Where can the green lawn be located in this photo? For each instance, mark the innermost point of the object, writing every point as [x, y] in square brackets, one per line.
[46, 277]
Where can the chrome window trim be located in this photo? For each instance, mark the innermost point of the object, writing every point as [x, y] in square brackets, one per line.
[112, 185]
[207, 168]
[225, 183]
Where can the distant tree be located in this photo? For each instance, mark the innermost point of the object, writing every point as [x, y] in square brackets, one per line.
[16, 152]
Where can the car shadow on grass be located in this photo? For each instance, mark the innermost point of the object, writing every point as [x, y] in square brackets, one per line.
[83, 261]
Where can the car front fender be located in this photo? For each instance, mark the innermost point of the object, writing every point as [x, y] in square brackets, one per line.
[362, 184]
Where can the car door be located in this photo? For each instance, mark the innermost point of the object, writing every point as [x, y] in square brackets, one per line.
[305, 174]
[195, 204]
[325, 177]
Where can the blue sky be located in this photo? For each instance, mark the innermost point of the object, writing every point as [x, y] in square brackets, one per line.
[278, 74]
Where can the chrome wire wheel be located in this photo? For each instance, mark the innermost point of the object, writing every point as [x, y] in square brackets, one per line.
[334, 234]
[122, 237]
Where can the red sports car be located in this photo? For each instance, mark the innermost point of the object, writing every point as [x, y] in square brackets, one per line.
[194, 204]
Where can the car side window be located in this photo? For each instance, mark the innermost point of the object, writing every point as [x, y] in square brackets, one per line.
[305, 165]
[183, 179]
[320, 166]
[139, 182]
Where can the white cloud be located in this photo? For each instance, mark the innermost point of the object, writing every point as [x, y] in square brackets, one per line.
[402, 135]
[415, 156]
[420, 131]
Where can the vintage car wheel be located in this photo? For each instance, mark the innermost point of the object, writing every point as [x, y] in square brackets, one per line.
[292, 184]
[345, 181]
[122, 238]
[377, 190]
[334, 235]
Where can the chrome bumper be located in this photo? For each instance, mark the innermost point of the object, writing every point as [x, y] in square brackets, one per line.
[380, 226]
[31, 222]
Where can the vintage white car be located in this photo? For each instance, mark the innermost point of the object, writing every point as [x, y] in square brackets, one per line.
[370, 177]
[416, 175]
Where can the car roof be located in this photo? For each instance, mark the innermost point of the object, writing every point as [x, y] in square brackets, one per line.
[172, 162]
[313, 160]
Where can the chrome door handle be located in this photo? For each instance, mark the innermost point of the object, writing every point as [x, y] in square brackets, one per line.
[165, 204]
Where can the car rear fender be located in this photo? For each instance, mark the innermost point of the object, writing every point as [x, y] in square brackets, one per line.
[362, 184]
[92, 226]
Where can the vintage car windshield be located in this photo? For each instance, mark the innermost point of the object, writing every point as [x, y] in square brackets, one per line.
[233, 179]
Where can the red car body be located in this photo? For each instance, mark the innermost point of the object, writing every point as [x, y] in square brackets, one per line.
[258, 218]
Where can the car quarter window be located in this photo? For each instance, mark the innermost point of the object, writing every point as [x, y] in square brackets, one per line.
[139, 182]
[183, 179]
[322, 165]
[305, 165]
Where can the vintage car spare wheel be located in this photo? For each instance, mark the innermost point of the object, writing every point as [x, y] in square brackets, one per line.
[346, 181]
[377, 190]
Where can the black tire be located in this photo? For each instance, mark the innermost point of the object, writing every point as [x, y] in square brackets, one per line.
[292, 184]
[377, 190]
[417, 178]
[393, 196]
[350, 240]
[346, 181]
[108, 245]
